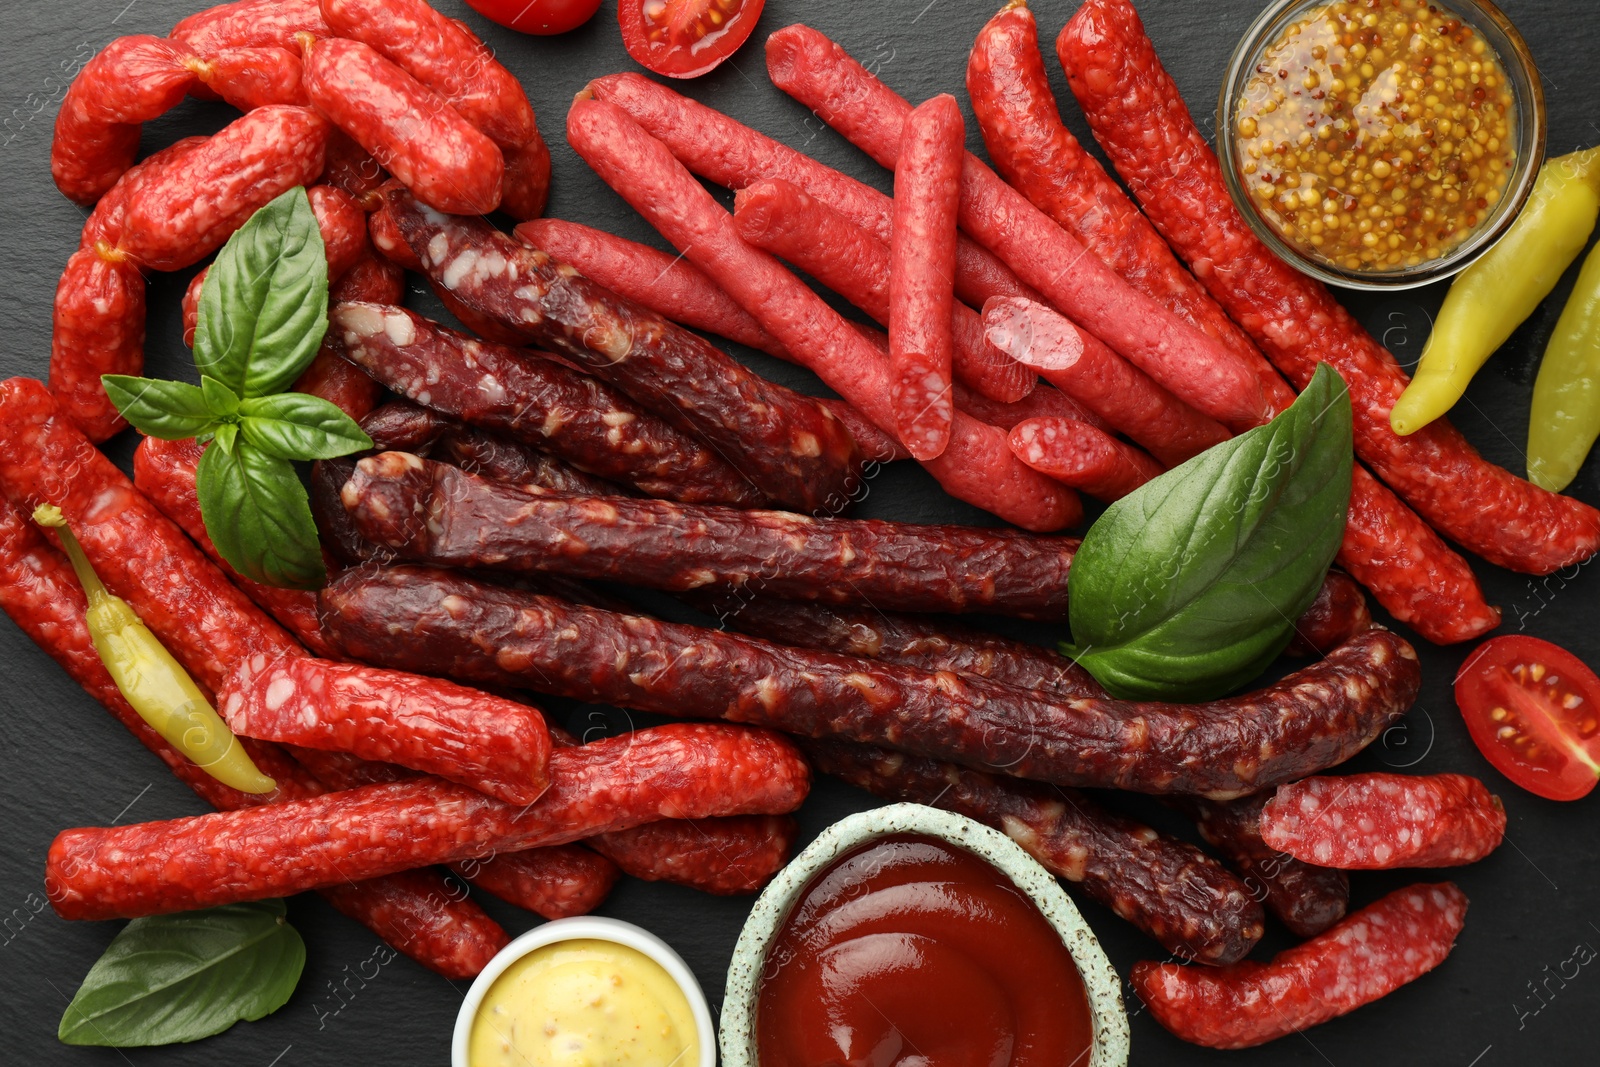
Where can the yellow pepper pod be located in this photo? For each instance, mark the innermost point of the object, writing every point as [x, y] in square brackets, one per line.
[1566, 397]
[1496, 294]
[154, 683]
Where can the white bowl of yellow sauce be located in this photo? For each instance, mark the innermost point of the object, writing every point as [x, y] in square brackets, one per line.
[585, 992]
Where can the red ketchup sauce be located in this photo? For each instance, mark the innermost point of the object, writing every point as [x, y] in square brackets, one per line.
[912, 952]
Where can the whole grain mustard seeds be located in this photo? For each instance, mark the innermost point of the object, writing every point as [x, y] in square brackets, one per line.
[1376, 135]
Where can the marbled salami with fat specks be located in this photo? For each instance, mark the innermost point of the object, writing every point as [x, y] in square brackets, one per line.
[1338, 614]
[730, 856]
[515, 392]
[1306, 898]
[1140, 119]
[789, 446]
[678, 771]
[1171, 890]
[411, 131]
[492, 744]
[434, 513]
[251, 24]
[556, 882]
[1367, 956]
[447, 624]
[97, 327]
[1379, 821]
[413, 912]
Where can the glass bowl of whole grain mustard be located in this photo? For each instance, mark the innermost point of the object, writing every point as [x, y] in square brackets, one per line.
[1381, 144]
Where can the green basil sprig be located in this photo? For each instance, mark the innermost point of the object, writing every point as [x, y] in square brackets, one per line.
[1189, 587]
[263, 311]
[171, 978]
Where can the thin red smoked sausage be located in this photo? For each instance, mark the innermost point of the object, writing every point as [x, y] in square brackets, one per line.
[1367, 956]
[435, 513]
[816, 71]
[1140, 120]
[249, 78]
[976, 466]
[731, 154]
[440, 622]
[1076, 454]
[730, 856]
[927, 188]
[408, 128]
[97, 327]
[684, 770]
[1380, 821]
[1338, 614]
[251, 24]
[793, 225]
[412, 912]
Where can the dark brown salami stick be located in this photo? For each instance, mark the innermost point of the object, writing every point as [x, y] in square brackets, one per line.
[687, 770]
[1307, 899]
[906, 640]
[791, 447]
[537, 401]
[402, 426]
[434, 513]
[443, 623]
[1171, 890]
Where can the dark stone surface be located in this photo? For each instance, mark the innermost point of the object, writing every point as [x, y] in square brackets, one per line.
[1516, 989]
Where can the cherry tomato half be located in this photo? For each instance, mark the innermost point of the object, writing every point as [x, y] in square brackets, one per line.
[542, 17]
[686, 38]
[1533, 709]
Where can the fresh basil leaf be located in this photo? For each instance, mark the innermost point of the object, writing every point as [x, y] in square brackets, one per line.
[171, 411]
[259, 517]
[225, 434]
[171, 978]
[222, 400]
[300, 426]
[1189, 587]
[264, 303]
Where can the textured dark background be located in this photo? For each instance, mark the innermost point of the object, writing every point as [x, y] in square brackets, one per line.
[1516, 989]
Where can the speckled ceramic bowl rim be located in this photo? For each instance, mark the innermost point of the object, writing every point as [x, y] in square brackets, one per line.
[1100, 979]
[580, 928]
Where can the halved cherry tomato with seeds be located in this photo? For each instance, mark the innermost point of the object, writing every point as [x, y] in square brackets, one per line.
[1533, 710]
[686, 38]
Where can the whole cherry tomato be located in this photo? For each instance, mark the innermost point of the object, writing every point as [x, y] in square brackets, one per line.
[685, 38]
[1533, 709]
[543, 17]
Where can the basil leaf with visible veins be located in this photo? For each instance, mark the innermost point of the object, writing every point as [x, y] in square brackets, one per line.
[1189, 587]
[171, 978]
[258, 515]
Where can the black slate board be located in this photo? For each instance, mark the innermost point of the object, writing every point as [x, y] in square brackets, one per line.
[1520, 986]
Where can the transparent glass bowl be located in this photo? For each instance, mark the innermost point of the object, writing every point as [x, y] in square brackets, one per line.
[1528, 101]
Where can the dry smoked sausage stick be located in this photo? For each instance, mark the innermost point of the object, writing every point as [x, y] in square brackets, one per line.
[817, 72]
[1034, 151]
[203, 620]
[412, 912]
[1307, 899]
[128, 82]
[1140, 119]
[684, 770]
[670, 286]
[1081, 365]
[790, 447]
[97, 327]
[730, 856]
[249, 78]
[447, 624]
[731, 154]
[554, 882]
[907, 640]
[435, 513]
[251, 24]
[350, 167]
[537, 401]
[164, 471]
[488, 743]
[408, 128]
[793, 225]
[927, 185]
[1338, 614]
[975, 466]
[1181, 897]
[1076, 454]
[1369, 955]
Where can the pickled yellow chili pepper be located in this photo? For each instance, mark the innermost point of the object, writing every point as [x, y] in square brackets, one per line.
[1566, 397]
[1496, 294]
[159, 689]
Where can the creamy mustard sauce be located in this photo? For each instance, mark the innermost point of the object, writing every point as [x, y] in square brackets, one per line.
[584, 1003]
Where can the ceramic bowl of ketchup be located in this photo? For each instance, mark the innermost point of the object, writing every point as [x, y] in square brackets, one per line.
[907, 934]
